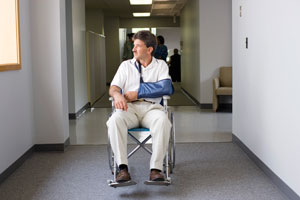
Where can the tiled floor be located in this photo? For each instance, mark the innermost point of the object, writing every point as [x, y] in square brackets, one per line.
[192, 124]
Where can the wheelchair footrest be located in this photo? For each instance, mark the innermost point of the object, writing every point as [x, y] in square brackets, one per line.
[166, 182]
[111, 183]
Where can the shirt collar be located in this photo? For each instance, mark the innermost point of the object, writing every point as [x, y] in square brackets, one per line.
[154, 60]
[132, 61]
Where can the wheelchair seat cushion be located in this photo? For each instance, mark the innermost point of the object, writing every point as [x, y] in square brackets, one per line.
[138, 129]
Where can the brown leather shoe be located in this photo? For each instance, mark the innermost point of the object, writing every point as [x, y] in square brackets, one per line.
[156, 176]
[123, 176]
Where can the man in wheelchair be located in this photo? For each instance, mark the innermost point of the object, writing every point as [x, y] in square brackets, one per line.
[137, 89]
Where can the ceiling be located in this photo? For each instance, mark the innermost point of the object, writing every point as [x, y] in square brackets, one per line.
[123, 9]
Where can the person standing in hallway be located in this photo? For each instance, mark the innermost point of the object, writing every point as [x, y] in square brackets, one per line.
[161, 51]
[128, 46]
[175, 71]
[137, 89]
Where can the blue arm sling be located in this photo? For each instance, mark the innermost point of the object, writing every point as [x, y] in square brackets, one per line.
[153, 89]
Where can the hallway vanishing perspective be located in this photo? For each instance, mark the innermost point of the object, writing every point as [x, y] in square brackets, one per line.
[54, 102]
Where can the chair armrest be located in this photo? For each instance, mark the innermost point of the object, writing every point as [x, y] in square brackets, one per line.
[112, 103]
[165, 102]
[216, 83]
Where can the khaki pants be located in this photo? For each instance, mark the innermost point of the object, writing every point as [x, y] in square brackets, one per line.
[140, 114]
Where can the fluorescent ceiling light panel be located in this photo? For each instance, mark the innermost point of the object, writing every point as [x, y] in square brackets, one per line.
[146, 14]
[140, 2]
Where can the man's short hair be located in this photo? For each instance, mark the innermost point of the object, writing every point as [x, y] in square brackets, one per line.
[148, 38]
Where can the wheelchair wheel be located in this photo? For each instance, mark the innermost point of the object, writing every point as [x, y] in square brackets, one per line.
[110, 156]
[172, 142]
[171, 148]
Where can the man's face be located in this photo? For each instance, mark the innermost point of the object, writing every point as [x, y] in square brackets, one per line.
[140, 50]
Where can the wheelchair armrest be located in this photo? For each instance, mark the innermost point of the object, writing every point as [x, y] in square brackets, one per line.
[166, 97]
[165, 102]
[112, 103]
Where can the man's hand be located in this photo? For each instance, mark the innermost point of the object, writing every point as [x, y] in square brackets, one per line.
[119, 101]
[131, 96]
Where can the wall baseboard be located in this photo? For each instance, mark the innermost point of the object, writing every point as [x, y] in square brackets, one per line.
[201, 105]
[276, 180]
[35, 148]
[206, 106]
[100, 97]
[225, 107]
[77, 114]
[52, 147]
[13, 167]
[188, 95]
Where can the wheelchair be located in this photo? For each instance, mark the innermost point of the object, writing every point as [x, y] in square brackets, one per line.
[169, 161]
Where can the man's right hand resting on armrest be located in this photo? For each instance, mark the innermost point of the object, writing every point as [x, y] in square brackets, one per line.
[119, 100]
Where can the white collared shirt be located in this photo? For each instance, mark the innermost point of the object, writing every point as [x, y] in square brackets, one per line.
[128, 77]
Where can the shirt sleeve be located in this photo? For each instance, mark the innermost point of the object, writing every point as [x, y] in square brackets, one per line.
[164, 71]
[120, 77]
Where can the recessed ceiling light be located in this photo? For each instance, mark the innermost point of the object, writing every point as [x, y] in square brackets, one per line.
[140, 2]
[146, 14]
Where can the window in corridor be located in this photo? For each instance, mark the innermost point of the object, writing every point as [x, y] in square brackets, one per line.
[135, 30]
[10, 58]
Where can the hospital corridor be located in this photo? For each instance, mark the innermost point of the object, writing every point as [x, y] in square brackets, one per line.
[208, 164]
[216, 92]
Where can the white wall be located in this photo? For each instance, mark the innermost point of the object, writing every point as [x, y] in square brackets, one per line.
[96, 58]
[64, 70]
[77, 76]
[33, 103]
[111, 26]
[96, 66]
[206, 37]
[49, 71]
[70, 57]
[95, 21]
[16, 102]
[190, 62]
[172, 38]
[266, 83]
[215, 43]
[80, 76]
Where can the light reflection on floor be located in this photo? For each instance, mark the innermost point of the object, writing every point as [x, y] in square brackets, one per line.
[192, 124]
